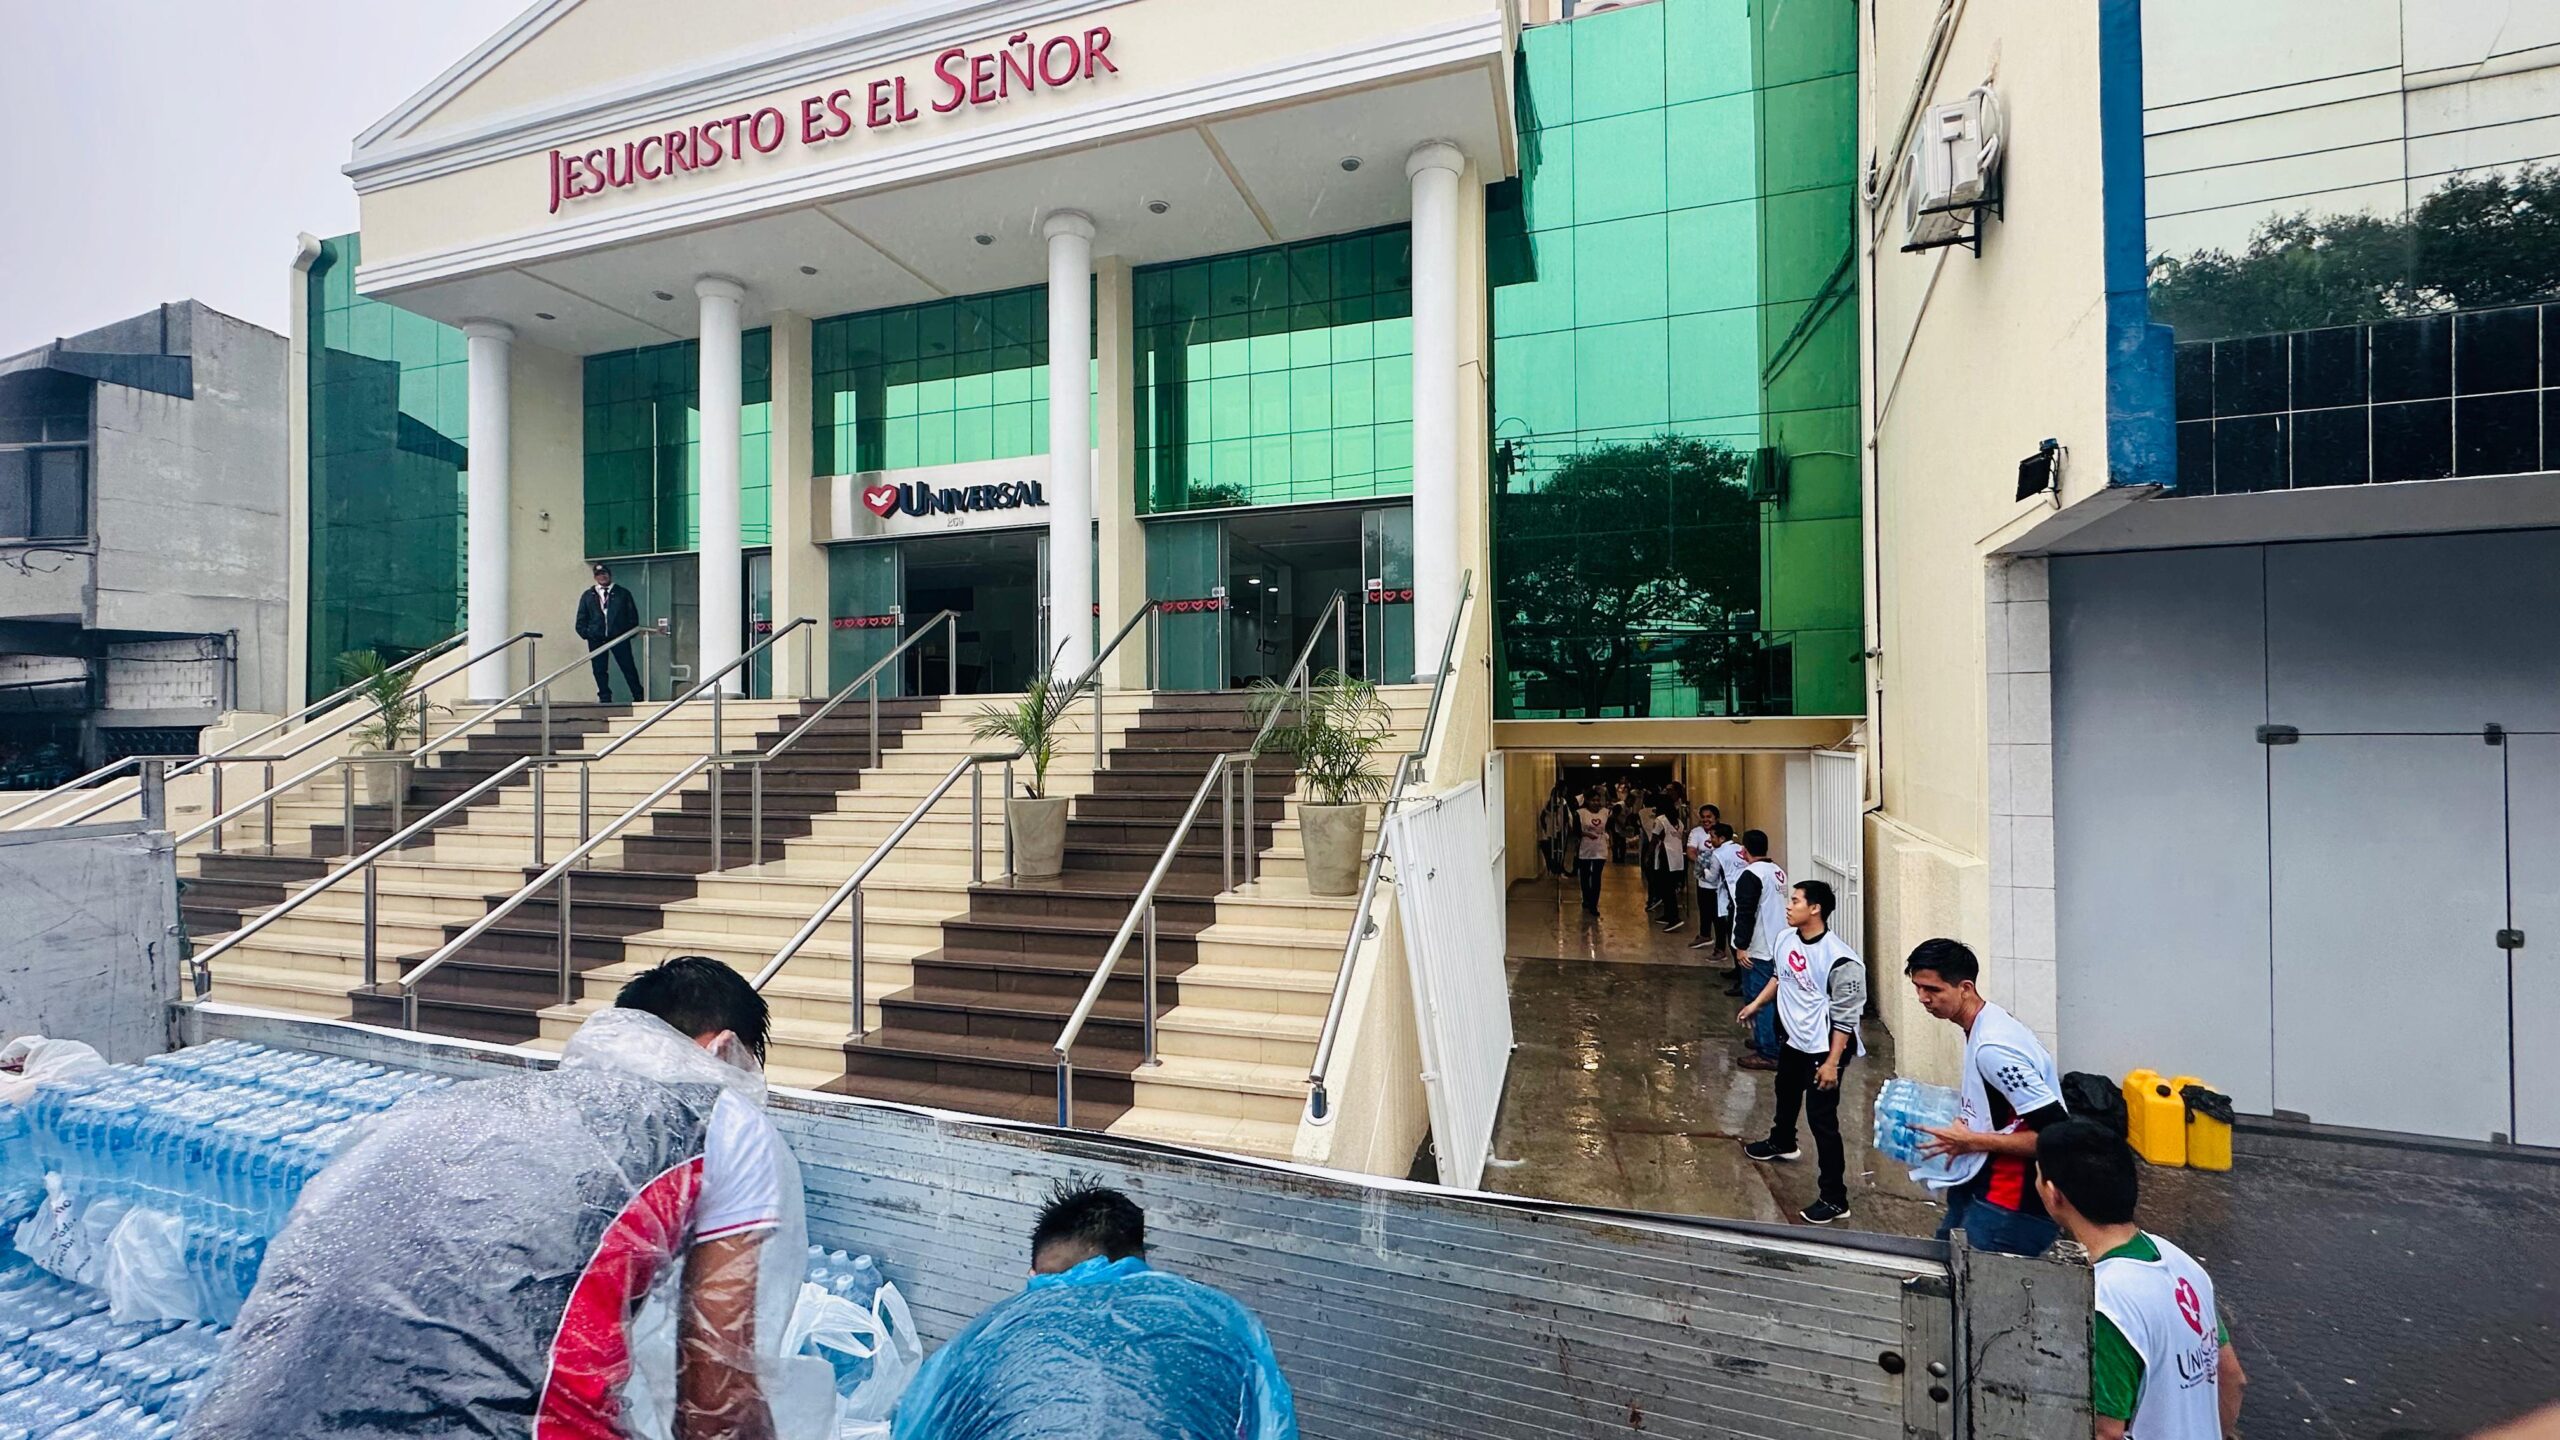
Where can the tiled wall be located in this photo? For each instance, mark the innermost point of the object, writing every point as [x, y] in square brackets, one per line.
[2020, 970]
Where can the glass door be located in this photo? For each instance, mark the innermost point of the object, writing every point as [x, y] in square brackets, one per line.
[666, 591]
[760, 623]
[1386, 604]
[866, 593]
[1187, 578]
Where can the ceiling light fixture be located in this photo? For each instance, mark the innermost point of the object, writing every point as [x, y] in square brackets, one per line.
[663, 294]
[808, 269]
[1158, 207]
[984, 239]
[544, 315]
[1350, 162]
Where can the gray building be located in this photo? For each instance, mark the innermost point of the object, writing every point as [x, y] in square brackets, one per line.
[142, 537]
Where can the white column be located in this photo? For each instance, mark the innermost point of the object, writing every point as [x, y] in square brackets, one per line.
[1434, 168]
[723, 566]
[1070, 488]
[486, 598]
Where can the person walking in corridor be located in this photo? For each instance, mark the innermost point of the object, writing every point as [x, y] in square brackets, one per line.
[1669, 860]
[1591, 859]
[2009, 1092]
[2159, 1353]
[605, 611]
[1759, 924]
[1702, 866]
[1819, 991]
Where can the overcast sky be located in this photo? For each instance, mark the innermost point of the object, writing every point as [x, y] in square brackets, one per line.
[168, 149]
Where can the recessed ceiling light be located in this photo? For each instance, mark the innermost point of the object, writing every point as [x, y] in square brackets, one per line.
[664, 294]
[1350, 162]
[1158, 207]
[1595, 757]
[1639, 757]
[984, 239]
[808, 269]
[544, 315]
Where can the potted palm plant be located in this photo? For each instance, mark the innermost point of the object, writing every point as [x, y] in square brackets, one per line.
[382, 774]
[1037, 818]
[1333, 732]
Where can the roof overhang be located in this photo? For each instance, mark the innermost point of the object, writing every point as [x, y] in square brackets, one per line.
[1225, 126]
[160, 374]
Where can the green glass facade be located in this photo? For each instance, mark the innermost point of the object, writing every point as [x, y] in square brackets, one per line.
[1675, 488]
[644, 447]
[941, 383]
[1278, 376]
[388, 405]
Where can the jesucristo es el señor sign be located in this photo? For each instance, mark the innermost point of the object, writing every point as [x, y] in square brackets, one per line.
[961, 78]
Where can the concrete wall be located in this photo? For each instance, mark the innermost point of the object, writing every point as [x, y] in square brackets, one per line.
[1526, 780]
[189, 497]
[1973, 360]
[88, 944]
[546, 498]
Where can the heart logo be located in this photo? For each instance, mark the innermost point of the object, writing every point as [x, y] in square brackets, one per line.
[2190, 1306]
[881, 499]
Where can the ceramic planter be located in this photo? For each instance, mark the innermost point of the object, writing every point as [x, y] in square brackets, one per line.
[1039, 836]
[1332, 836]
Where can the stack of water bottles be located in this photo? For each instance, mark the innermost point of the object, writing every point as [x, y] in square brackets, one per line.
[222, 1136]
[21, 1178]
[70, 1372]
[1903, 1107]
[850, 1277]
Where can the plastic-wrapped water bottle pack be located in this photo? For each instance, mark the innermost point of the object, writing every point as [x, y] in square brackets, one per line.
[1903, 1106]
[221, 1136]
[70, 1371]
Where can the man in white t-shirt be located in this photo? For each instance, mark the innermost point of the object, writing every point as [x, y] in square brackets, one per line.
[477, 1262]
[1819, 993]
[2009, 1090]
[1702, 867]
[2160, 1357]
[1759, 923]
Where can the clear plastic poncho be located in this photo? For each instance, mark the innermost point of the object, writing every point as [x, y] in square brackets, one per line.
[517, 1257]
[1106, 1350]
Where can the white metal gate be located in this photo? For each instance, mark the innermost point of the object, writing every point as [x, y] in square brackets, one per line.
[1839, 843]
[1451, 904]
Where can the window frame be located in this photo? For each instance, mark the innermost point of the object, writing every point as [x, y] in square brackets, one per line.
[29, 477]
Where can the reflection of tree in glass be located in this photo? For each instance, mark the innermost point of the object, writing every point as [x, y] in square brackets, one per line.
[1630, 555]
[2477, 241]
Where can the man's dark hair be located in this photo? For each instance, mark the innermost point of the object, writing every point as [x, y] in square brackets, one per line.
[1722, 832]
[1953, 961]
[2093, 1168]
[700, 996]
[1092, 1215]
[1817, 893]
[1757, 842]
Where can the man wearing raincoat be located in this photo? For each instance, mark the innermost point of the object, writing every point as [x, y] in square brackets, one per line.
[494, 1259]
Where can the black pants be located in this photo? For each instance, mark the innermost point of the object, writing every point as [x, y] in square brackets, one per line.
[630, 675]
[1821, 1116]
[1706, 914]
[1591, 872]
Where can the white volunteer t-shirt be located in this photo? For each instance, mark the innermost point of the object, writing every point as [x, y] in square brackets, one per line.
[2166, 1311]
[2004, 1055]
[1701, 845]
[1729, 866]
[741, 1172]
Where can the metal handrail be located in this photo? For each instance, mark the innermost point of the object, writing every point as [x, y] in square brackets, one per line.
[851, 889]
[708, 683]
[228, 755]
[1300, 679]
[542, 684]
[1092, 674]
[560, 871]
[1142, 915]
[1362, 926]
[871, 677]
[364, 862]
[324, 702]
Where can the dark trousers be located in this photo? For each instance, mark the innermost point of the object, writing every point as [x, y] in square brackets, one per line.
[630, 675]
[1821, 1116]
[1591, 871]
[1707, 916]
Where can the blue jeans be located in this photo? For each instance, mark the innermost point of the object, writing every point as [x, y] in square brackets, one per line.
[1988, 1227]
[1764, 1026]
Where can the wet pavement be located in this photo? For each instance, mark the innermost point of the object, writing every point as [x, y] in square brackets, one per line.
[2376, 1289]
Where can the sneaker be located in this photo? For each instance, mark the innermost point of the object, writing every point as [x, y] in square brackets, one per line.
[1822, 1212]
[1700, 944]
[1673, 927]
[1757, 1061]
[1768, 1154]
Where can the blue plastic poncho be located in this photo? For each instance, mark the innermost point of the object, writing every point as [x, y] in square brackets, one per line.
[1108, 1349]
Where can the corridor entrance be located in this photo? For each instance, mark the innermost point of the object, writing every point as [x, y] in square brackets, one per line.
[877, 593]
[666, 588]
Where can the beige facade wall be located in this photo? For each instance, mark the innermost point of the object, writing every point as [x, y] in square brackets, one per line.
[1120, 549]
[799, 561]
[422, 197]
[1974, 360]
[547, 497]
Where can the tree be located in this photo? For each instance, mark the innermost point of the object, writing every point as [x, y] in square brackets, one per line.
[2491, 239]
[1627, 554]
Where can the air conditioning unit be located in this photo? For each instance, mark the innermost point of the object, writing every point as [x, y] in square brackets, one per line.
[1952, 173]
[1768, 475]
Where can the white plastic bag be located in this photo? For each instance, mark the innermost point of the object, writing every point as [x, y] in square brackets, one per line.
[51, 1236]
[39, 1060]
[145, 1269]
[884, 1334]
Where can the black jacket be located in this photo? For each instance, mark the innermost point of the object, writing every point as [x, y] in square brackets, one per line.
[598, 623]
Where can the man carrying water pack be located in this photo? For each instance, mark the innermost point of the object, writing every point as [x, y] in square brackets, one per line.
[1100, 1345]
[481, 1262]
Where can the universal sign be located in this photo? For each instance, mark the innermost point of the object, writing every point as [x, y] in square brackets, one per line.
[887, 500]
[959, 78]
